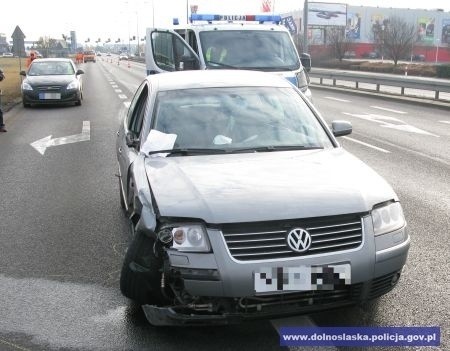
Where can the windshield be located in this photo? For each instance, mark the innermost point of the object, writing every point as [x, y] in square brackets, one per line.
[51, 68]
[238, 118]
[249, 49]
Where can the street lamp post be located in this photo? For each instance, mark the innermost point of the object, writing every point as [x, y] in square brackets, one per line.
[437, 50]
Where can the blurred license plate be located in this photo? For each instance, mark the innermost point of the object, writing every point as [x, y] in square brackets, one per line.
[302, 278]
[49, 96]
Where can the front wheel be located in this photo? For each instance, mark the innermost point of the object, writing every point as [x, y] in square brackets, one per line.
[140, 278]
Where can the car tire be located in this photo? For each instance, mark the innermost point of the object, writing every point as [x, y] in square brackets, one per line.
[78, 103]
[26, 105]
[140, 278]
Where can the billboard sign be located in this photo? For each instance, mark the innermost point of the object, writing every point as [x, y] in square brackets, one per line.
[327, 14]
[445, 31]
[426, 30]
[353, 28]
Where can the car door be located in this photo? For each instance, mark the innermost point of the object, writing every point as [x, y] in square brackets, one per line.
[166, 51]
[129, 137]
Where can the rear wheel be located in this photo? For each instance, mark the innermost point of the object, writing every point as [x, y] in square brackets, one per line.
[140, 278]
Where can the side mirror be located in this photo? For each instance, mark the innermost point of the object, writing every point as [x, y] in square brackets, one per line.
[306, 61]
[131, 139]
[80, 71]
[341, 128]
[23, 73]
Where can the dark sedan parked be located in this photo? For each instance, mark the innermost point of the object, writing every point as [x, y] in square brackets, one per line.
[52, 81]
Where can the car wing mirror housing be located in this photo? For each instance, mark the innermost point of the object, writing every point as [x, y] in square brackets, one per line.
[306, 61]
[23, 73]
[79, 71]
[341, 128]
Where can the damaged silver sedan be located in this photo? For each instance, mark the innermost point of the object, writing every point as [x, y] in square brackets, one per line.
[243, 205]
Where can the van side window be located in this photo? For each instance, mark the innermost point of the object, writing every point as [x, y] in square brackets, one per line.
[171, 53]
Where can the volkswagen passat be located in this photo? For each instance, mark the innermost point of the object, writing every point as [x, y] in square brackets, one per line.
[52, 81]
[242, 203]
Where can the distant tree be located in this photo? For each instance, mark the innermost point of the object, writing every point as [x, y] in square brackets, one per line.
[395, 37]
[337, 39]
[44, 44]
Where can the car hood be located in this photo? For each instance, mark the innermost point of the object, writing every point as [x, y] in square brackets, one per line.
[265, 186]
[53, 79]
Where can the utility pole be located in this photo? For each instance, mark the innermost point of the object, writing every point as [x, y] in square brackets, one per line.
[305, 27]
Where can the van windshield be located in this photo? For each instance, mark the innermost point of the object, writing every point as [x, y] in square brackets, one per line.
[249, 49]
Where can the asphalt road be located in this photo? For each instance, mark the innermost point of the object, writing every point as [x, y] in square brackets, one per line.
[63, 233]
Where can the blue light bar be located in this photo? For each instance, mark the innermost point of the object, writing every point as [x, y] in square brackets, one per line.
[229, 18]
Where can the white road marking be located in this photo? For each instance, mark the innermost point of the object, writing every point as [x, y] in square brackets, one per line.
[127, 104]
[388, 109]
[368, 145]
[112, 82]
[122, 96]
[447, 122]
[42, 144]
[386, 122]
[336, 99]
[118, 90]
[115, 86]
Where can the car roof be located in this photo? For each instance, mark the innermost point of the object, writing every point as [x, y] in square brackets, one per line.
[231, 26]
[52, 60]
[216, 78]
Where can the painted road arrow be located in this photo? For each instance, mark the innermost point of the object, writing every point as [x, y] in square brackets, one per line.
[42, 144]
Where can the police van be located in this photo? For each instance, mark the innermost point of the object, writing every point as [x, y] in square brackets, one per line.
[251, 42]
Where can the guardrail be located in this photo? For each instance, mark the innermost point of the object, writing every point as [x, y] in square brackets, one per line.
[420, 83]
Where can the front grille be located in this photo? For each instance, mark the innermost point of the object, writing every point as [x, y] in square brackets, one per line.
[49, 88]
[348, 293]
[267, 240]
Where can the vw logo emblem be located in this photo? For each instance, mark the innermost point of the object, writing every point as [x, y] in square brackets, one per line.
[299, 240]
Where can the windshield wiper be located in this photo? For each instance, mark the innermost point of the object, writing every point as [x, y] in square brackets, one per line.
[270, 148]
[220, 64]
[189, 151]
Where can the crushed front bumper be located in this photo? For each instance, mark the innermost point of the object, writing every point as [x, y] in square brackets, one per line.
[273, 306]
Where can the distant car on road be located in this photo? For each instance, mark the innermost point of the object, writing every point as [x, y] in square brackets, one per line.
[243, 205]
[123, 57]
[418, 57]
[7, 54]
[371, 55]
[89, 56]
[52, 81]
[349, 54]
[108, 54]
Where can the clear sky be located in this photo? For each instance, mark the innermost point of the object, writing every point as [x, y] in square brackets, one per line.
[123, 18]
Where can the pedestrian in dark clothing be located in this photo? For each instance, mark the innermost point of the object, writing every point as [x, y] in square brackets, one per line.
[2, 125]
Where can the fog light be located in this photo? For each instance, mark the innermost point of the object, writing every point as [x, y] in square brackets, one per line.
[395, 279]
